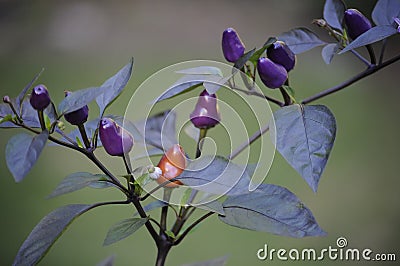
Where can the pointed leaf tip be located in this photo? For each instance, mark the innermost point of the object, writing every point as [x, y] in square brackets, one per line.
[304, 136]
[22, 152]
[46, 232]
[123, 229]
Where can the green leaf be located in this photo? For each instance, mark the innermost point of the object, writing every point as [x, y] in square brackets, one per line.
[257, 54]
[305, 137]
[300, 40]
[385, 11]
[170, 234]
[78, 99]
[334, 13]
[214, 262]
[113, 87]
[201, 70]
[6, 118]
[373, 35]
[22, 152]
[215, 175]
[329, 51]
[123, 229]
[74, 182]
[46, 232]
[272, 209]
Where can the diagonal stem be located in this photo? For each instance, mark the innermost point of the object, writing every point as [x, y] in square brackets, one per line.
[352, 80]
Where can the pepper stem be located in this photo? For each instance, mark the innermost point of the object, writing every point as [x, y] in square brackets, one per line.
[82, 130]
[202, 135]
[41, 119]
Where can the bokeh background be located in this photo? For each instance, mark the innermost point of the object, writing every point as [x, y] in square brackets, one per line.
[81, 43]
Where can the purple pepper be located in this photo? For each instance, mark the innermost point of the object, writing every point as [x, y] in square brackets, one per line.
[232, 47]
[356, 23]
[206, 113]
[40, 98]
[116, 140]
[77, 117]
[272, 75]
[281, 54]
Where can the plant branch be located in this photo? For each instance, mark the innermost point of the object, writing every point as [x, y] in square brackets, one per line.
[41, 119]
[164, 210]
[255, 93]
[350, 81]
[157, 188]
[82, 130]
[193, 225]
[109, 203]
[365, 61]
[381, 56]
[148, 224]
[371, 54]
[245, 144]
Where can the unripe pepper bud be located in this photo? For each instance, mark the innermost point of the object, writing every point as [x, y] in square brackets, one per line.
[6, 99]
[79, 116]
[232, 47]
[356, 23]
[206, 113]
[271, 74]
[172, 165]
[40, 98]
[116, 140]
[281, 54]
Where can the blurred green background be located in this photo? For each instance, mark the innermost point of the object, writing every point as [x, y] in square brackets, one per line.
[81, 43]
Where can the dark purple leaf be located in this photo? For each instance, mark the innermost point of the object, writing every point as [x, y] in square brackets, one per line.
[22, 152]
[304, 136]
[373, 35]
[300, 40]
[334, 13]
[46, 232]
[385, 11]
[272, 209]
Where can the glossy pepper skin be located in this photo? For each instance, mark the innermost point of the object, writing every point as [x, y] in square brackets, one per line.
[116, 140]
[356, 23]
[272, 75]
[172, 165]
[232, 47]
[40, 98]
[206, 113]
[281, 54]
[77, 117]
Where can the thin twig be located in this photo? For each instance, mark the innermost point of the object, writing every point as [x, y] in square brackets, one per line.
[255, 93]
[245, 144]
[157, 188]
[381, 56]
[362, 58]
[202, 218]
[350, 81]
